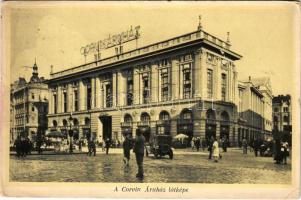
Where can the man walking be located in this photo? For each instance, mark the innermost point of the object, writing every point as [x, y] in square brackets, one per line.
[245, 146]
[108, 144]
[127, 145]
[210, 147]
[139, 152]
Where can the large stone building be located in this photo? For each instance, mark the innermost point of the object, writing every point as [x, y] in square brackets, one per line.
[187, 84]
[29, 107]
[254, 108]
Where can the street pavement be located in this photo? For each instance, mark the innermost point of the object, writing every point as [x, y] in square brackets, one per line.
[187, 166]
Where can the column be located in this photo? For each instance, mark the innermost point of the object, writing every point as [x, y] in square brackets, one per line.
[50, 105]
[82, 95]
[136, 87]
[175, 79]
[114, 89]
[217, 80]
[204, 75]
[197, 74]
[59, 99]
[121, 87]
[69, 98]
[154, 83]
[180, 85]
[93, 92]
[97, 92]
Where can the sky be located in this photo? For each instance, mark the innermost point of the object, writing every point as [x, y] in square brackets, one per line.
[264, 34]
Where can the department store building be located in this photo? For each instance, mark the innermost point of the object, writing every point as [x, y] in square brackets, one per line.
[184, 85]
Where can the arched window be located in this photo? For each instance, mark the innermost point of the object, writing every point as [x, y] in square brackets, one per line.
[75, 122]
[164, 116]
[54, 122]
[145, 117]
[186, 114]
[65, 123]
[210, 114]
[225, 116]
[128, 118]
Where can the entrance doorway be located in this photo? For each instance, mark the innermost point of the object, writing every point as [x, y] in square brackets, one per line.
[106, 127]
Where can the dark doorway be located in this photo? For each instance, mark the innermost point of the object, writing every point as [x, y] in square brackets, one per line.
[106, 127]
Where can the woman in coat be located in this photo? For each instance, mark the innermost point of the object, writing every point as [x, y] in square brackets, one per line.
[215, 150]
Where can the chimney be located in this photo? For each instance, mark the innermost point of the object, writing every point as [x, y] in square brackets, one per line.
[249, 78]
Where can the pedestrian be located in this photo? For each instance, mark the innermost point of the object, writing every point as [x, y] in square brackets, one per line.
[127, 145]
[225, 144]
[204, 144]
[210, 146]
[89, 147]
[256, 147]
[284, 152]
[108, 143]
[192, 143]
[197, 143]
[139, 152]
[277, 156]
[245, 146]
[93, 146]
[216, 153]
[80, 143]
[18, 146]
[103, 146]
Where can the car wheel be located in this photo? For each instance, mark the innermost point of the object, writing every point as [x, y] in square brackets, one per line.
[170, 154]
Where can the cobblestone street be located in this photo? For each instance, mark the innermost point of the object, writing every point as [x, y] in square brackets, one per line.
[193, 167]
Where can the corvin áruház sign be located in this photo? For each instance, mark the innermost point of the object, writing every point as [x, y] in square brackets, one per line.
[111, 41]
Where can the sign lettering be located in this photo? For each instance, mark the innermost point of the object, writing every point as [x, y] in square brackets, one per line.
[111, 41]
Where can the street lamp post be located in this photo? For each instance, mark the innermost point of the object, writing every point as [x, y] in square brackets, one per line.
[70, 135]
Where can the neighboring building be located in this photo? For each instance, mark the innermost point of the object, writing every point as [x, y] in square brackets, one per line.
[282, 113]
[29, 106]
[186, 84]
[263, 84]
[254, 108]
[251, 111]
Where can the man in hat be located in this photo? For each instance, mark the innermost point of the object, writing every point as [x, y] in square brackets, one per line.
[139, 152]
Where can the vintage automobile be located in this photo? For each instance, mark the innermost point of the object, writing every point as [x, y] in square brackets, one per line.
[160, 145]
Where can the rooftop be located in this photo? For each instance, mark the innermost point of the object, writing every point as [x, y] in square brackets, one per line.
[195, 36]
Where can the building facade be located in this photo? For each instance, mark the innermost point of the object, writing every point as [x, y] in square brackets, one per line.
[29, 107]
[282, 113]
[186, 84]
[254, 109]
[263, 84]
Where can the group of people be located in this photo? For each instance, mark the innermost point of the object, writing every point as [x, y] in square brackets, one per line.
[23, 146]
[277, 148]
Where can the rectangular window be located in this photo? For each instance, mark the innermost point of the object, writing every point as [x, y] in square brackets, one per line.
[285, 109]
[89, 99]
[129, 89]
[209, 83]
[75, 100]
[165, 85]
[55, 103]
[65, 101]
[224, 87]
[187, 81]
[32, 95]
[108, 95]
[145, 86]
